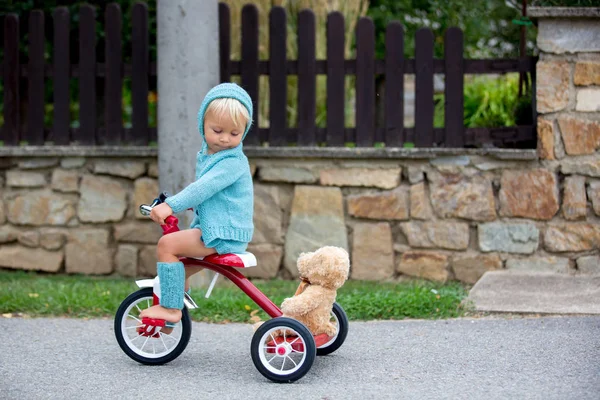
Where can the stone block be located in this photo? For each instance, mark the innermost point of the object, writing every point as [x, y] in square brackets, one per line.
[8, 234]
[593, 193]
[29, 238]
[32, 259]
[2, 212]
[508, 237]
[147, 262]
[40, 208]
[426, 265]
[153, 169]
[317, 219]
[25, 179]
[420, 206]
[384, 178]
[539, 264]
[372, 252]
[579, 136]
[103, 199]
[126, 260]
[440, 234]
[589, 265]
[415, 174]
[587, 73]
[38, 163]
[287, 174]
[529, 194]
[470, 268]
[574, 199]
[138, 232]
[65, 180]
[583, 165]
[588, 100]
[552, 90]
[561, 36]
[87, 252]
[125, 169]
[268, 215]
[545, 144]
[269, 257]
[52, 239]
[72, 162]
[144, 191]
[572, 237]
[390, 205]
[460, 196]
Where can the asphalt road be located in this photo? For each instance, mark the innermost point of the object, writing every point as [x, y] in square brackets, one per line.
[490, 358]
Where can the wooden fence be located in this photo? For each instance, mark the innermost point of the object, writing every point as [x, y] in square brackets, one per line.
[87, 71]
[111, 73]
[365, 68]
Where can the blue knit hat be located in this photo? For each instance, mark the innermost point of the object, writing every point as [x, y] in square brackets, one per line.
[225, 90]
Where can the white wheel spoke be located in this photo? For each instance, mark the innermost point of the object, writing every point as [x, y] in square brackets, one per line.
[139, 309]
[134, 317]
[132, 327]
[147, 338]
[162, 340]
[295, 340]
[271, 359]
[283, 364]
[295, 365]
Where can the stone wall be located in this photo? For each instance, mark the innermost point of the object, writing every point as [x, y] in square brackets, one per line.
[438, 214]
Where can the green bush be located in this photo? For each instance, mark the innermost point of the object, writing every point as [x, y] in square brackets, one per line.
[490, 103]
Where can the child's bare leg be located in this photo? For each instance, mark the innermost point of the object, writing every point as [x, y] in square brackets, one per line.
[170, 247]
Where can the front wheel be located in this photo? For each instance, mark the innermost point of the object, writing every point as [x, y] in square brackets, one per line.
[340, 320]
[156, 349]
[283, 349]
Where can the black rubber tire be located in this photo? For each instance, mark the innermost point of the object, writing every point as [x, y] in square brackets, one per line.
[186, 327]
[341, 335]
[309, 349]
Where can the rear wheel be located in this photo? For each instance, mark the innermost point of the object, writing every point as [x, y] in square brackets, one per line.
[154, 349]
[340, 320]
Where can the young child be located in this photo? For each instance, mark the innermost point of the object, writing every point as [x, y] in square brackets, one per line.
[221, 196]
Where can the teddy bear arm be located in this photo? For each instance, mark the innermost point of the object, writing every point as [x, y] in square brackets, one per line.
[301, 304]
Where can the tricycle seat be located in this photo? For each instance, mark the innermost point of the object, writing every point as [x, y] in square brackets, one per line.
[237, 260]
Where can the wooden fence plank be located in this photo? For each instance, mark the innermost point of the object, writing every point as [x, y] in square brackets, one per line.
[34, 134]
[86, 135]
[394, 85]
[365, 82]
[113, 81]
[62, 63]
[336, 91]
[454, 89]
[225, 42]
[307, 78]
[10, 131]
[250, 66]
[139, 133]
[277, 78]
[424, 88]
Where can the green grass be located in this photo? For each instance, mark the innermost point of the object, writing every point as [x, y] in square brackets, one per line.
[36, 294]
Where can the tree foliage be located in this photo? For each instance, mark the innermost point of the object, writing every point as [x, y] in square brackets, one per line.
[487, 25]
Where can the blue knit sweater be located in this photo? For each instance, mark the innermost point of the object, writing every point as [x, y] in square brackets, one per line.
[222, 195]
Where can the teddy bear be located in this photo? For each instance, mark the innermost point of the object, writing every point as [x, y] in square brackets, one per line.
[322, 273]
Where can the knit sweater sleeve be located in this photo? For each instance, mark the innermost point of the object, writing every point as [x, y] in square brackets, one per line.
[220, 176]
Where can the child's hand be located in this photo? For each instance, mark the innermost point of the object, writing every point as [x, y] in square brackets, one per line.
[160, 212]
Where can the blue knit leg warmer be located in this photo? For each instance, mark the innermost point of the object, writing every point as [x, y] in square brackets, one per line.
[172, 281]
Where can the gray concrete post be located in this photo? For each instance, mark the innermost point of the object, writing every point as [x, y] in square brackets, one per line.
[188, 66]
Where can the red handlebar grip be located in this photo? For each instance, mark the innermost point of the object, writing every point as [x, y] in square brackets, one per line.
[171, 225]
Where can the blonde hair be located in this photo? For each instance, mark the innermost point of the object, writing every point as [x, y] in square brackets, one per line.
[235, 110]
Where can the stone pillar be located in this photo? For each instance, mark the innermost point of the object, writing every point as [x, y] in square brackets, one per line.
[568, 105]
[188, 66]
